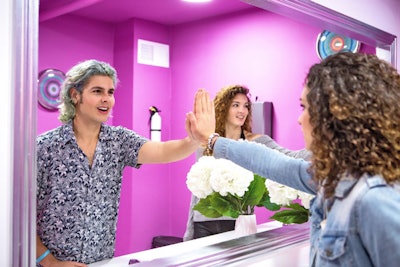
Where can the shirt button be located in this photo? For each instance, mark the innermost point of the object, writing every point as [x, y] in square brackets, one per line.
[328, 252]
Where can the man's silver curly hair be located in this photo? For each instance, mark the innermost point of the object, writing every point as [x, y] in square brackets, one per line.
[77, 77]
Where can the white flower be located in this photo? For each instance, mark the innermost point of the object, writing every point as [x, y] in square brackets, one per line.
[198, 178]
[279, 193]
[227, 177]
[210, 175]
[284, 195]
[305, 199]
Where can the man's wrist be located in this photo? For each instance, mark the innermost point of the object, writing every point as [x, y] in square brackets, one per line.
[41, 257]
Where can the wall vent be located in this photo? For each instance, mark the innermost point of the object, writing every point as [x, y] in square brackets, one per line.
[152, 53]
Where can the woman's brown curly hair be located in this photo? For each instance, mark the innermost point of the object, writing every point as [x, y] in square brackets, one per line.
[354, 110]
[222, 103]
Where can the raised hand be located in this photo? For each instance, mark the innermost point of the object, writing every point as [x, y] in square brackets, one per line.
[201, 122]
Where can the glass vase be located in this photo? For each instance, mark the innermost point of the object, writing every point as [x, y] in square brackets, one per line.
[246, 225]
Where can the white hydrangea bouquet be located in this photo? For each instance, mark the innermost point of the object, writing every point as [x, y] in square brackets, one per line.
[226, 189]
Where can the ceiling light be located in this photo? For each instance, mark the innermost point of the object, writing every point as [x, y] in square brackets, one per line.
[196, 1]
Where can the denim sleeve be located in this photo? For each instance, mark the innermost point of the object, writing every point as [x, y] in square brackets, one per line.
[378, 224]
[269, 142]
[267, 163]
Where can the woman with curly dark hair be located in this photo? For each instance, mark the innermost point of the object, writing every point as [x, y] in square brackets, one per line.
[351, 124]
[226, 102]
[233, 116]
[355, 117]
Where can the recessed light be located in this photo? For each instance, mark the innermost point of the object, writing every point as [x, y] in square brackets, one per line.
[197, 1]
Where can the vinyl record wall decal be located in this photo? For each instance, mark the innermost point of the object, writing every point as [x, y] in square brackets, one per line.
[329, 43]
[50, 81]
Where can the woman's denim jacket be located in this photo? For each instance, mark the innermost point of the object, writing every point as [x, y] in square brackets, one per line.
[362, 227]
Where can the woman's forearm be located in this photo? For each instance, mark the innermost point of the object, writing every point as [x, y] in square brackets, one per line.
[267, 162]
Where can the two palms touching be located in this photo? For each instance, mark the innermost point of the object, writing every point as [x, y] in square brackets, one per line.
[200, 123]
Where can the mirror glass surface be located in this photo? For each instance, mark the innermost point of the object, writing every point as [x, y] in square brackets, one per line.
[160, 11]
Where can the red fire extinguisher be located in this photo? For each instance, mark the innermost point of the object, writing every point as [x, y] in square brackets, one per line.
[155, 124]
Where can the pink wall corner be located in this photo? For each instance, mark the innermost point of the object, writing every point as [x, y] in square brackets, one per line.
[144, 200]
[123, 116]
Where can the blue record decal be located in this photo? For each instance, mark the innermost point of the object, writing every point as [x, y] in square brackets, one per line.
[49, 83]
[329, 43]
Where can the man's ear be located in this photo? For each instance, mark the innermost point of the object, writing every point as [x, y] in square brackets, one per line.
[74, 95]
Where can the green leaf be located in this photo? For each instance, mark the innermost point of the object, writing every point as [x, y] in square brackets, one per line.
[205, 207]
[266, 202]
[297, 206]
[215, 205]
[255, 192]
[295, 214]
[225, 206]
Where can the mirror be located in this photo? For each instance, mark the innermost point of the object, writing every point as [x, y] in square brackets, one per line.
[305, 11]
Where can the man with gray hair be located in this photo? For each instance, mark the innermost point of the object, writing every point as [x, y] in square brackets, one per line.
[80, 165]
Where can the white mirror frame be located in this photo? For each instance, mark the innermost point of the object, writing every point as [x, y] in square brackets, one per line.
[24, 93]
[314, 14]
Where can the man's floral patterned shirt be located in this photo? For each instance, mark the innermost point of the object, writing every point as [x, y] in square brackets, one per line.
[77, 204]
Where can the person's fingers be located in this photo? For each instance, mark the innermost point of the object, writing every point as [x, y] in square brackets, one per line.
[199, 103]
[195, 101]
[203, 103]
[188, 126]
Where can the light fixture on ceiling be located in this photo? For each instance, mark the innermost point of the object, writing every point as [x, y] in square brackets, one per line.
[197, 1]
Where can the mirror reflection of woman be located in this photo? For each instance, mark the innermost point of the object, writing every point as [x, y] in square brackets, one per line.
[233, 115]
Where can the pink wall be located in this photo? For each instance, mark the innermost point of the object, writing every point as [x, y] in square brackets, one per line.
[264, 51]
